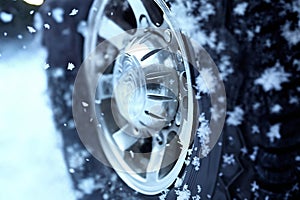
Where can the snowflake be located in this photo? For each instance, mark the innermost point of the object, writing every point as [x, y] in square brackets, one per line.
[71, 66]
[293, 100]
[276, 108]
[235, 117]
[225, 67]
[31, 29]
[197, 197]
[183, 194]
[244, 150]
[58, 15]
[292, 36]
[84, 104]
[199, 189]
[255, 129]
[6, 17]
[228, 159]
[164, 194]
[88, 185]
[203, 132]
[274, 132]
[240, 9]
[272, 78]
[254, 186]
[216, 113]
[206, 82]
[46, 26]
[47, 66]
[196, 163]
[77, 158]
[178, 182]
[254, 154]
[73, 12]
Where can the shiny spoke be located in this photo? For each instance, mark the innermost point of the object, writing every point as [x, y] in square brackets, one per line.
[140, 13]
[156, 159]
[105, 87]
[109, 30]
[124, 137]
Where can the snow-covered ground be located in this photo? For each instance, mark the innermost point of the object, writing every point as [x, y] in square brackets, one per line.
[31, 164]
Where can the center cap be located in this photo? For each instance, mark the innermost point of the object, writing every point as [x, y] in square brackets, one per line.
[144, 98]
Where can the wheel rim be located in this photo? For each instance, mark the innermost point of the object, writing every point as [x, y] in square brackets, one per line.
[144, 101]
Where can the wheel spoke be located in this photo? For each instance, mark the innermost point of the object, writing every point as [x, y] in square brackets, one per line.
[109, 30]
[105, 87]
[140, 11]
[155, 162]
[124, 137]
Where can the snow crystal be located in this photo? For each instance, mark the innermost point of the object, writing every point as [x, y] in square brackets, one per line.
[235, 117]
[77, 158]
[244, 150]
[6, 17]
[199, 189]
[31, 12]
[46, 26]
[292, 36]
[297, 64]
[272, 78]
[20, 36]
[254, 186]
[47, 66]
[274, 133]
[183, 194]
[276, 108]
[89, 185]
[228, 159]
[254, 154]
[164, 194]
[255, 129]
[71, 66]
[178, 182]
[196, 163]
[84, 104]
[240, 9]
[73, 12]
[31, 29]
[293, 100]
[190, 24]
[206, 82]
[58, 15]
[216, 113]
[197, 197]
[71, 170]
[225, 67]
[203, 133]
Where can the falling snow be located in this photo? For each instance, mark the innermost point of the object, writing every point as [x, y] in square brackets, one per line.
[240, 9]
[276, 108]
[71, 66]
[235, 117]
[274, 133]
[73, 12]
[6, 17]
[58, 15]
[183, 194]
[228, 159]
[272, 78]
[196, 163]
[31, 29]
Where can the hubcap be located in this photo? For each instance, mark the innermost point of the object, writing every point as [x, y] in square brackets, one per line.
[145, 103]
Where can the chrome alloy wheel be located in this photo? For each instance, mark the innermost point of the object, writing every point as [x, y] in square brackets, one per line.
[144, 101]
